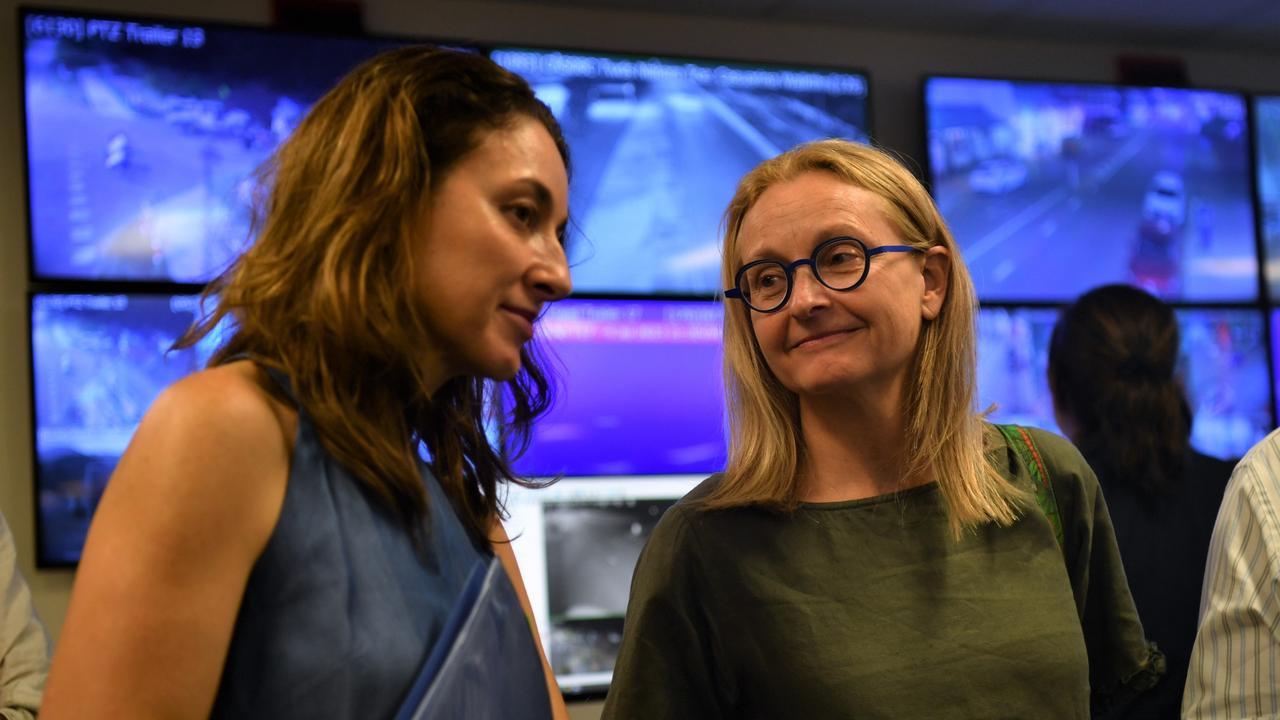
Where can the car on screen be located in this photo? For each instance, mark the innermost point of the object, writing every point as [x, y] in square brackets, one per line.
[997, 176]
[611, 101]
[1107, 124]
[1155, 262]
[1166, 198]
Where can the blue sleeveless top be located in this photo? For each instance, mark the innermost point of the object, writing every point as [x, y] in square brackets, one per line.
[340, 610]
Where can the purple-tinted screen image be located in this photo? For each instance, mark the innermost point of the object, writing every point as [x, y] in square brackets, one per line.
[1052, 188]
[1013, 354]
[1266, 114]
[659, 145]
[143, 136]
[639, 391]
[98, 361]
[1223, 365]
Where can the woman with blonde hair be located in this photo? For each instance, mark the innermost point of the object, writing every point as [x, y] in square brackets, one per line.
[272, 543]
[873, 547]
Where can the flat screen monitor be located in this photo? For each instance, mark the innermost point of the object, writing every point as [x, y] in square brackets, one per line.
[142, 136]
[1055, 188]
[97, 363]
[659, 144]
[639, 391]
[1223, 365]
[1266, 114]
[577, 543]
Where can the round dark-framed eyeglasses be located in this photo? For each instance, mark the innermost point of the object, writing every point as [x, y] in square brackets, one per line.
[840, 263]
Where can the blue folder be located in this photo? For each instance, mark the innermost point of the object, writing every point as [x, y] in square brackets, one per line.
[485, 664]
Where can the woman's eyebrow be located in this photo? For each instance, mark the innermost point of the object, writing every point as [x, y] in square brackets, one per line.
[828, 232]
[760, 254]
[541, 194]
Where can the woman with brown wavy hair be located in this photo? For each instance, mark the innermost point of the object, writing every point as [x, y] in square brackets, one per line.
[1113, 372]
[272, 543]
[873, 547]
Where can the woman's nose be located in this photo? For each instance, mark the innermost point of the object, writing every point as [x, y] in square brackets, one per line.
[806, 291]
[550, 275]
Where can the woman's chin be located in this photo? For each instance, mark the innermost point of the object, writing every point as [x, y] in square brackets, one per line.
[503, 371]
[826, 383]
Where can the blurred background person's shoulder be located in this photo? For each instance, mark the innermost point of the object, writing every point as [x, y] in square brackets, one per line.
[24, 646]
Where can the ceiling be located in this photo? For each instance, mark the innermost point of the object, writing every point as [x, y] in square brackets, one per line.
[1219, 25]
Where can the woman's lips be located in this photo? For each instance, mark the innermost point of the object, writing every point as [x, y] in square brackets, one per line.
[524, 318]
[822, 337]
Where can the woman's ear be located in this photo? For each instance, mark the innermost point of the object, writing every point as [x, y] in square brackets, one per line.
[936, 271]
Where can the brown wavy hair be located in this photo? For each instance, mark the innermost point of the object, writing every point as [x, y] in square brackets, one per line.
[1113, 361]
[326, 293]
[946, 437]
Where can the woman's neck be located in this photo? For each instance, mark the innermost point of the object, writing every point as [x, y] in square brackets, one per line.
[854, 448]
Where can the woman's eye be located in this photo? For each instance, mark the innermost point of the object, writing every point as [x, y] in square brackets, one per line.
[524, 215]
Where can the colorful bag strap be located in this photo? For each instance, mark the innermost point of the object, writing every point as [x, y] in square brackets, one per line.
[1020, 440]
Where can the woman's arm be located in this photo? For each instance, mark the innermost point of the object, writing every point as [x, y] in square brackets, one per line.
[502, 548]
[667, 662]
[187, 512]
[1122, 664]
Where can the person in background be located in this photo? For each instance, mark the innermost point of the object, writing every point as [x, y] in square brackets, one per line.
[873, 547]
[1235, 664]
[1112, 372]
[24, 646]
[273, 544]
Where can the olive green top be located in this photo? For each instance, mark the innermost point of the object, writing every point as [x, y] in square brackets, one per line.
[871, 609]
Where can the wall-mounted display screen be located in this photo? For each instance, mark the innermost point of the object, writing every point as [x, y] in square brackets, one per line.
[640, 392]
[1054, 188]
[1266, 114]
[659, 144]
[1275, 356]
[1013, 355]
[97, 363]
[142, 137]
[1223, 365]
[577, 543]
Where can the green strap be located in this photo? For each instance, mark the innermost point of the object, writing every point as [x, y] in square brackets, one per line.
[1020, 440]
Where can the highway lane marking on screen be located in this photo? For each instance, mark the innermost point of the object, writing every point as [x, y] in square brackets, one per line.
[1014, 224]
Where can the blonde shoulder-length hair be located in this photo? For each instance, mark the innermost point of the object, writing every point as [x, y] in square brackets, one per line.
[945, 433]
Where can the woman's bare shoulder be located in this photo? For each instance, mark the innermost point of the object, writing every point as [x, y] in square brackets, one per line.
[217, 442]
[192, 504]
[234, 399]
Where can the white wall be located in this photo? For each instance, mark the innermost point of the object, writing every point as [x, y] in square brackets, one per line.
[895, 60]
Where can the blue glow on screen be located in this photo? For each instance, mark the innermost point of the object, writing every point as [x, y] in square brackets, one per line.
[142, 137]
[639, 391]
[659, 146]
[1275, 355]
[1223, 365]
[98, 361]
[1052, 189]
[1266, 113]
